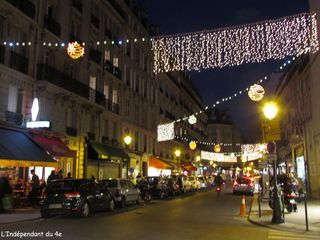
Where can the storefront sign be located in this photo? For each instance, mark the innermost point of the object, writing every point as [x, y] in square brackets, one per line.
[39, 124]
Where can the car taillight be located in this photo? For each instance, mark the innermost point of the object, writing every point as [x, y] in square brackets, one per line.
[72, 195]
[251, 184]
[235, 184]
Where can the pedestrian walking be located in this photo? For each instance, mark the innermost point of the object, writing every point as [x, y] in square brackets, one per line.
[68, 176]
[35, 187]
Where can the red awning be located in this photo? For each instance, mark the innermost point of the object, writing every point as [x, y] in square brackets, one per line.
[54, 146]
[158, 163]
[188, 166]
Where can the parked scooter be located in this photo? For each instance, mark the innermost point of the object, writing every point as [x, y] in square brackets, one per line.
[144, 188]
[289, 197]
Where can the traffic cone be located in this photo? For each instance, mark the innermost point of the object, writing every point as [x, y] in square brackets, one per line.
[243, 206]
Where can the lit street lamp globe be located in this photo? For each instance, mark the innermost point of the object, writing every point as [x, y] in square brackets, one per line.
[270, 111]
[177, 153]
[127, 140]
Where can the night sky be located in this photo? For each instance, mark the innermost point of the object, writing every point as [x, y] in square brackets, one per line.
[179, 16]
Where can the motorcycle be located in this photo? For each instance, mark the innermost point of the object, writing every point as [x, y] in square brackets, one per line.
[144, 191]
[288, 199]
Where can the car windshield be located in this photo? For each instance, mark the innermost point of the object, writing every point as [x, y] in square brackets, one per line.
[63, 186]
[112, 183]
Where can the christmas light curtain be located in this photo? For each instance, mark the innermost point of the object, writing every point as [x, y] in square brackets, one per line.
[258, 42]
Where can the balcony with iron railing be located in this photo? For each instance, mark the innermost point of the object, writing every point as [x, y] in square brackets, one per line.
[19, 62]
[95, 55]
[73, 38]
[77, 4]
[118, 9]
[52, 25]
[117, 72]
[60, 79]
[25, 6]
[95, 21]
[108, 33]
[108, 66]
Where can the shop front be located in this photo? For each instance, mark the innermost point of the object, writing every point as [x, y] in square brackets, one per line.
[60, 152]
[159, 167]
[189, 169]
[104, 161]
[18, 154]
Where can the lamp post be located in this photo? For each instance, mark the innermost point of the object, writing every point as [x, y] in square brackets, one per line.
[127, 141]
[177, 152]
[270, 111]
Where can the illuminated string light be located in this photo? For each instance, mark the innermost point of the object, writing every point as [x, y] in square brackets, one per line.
[258, 42]
[265, 79]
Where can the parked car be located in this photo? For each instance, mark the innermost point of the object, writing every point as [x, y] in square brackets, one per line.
[122, 190]
[195, 184]
[243, 185]
[74, 196]
[203, 181]
[183, 182]
[173, 187]
[158, 187]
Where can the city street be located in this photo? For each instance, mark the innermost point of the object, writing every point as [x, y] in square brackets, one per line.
[199, 215]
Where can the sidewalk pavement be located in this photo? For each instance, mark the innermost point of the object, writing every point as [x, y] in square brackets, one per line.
[19, 215]
[293, 222]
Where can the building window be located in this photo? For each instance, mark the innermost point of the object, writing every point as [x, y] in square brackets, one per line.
[145, 143]
[107, 54]
[115, 131]
[15, 98]
[106, 128]
[93, 82]
[136, 141]
[71, 118]
[115, 96]
[115, 61]
[127, 108]
[93, 123]
[136, 112]
[106, 91]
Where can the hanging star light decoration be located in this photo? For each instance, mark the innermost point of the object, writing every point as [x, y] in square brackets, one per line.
[256, 92]
[75, 50]
[165, 132]
[232, 46]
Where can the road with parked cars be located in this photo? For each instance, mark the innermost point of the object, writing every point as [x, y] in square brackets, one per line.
[198, 214]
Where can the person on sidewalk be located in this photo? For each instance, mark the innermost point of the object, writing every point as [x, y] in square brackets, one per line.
[35, 187]
[5, 194]
[68, 176]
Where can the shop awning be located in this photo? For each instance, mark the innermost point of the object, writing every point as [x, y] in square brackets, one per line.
[17, 149]
[188, 166]
[103, 151]
[159, 163]
[55, 146]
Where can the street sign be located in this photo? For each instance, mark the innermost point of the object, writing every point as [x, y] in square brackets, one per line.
[271, 157]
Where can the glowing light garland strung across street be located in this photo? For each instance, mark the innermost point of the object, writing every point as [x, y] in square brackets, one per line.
[258, 42]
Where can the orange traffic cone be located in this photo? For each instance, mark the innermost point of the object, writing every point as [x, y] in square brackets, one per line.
[243, 206]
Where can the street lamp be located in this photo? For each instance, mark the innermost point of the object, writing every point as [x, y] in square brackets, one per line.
[127, 141]
[177, 152]
[270, 111]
